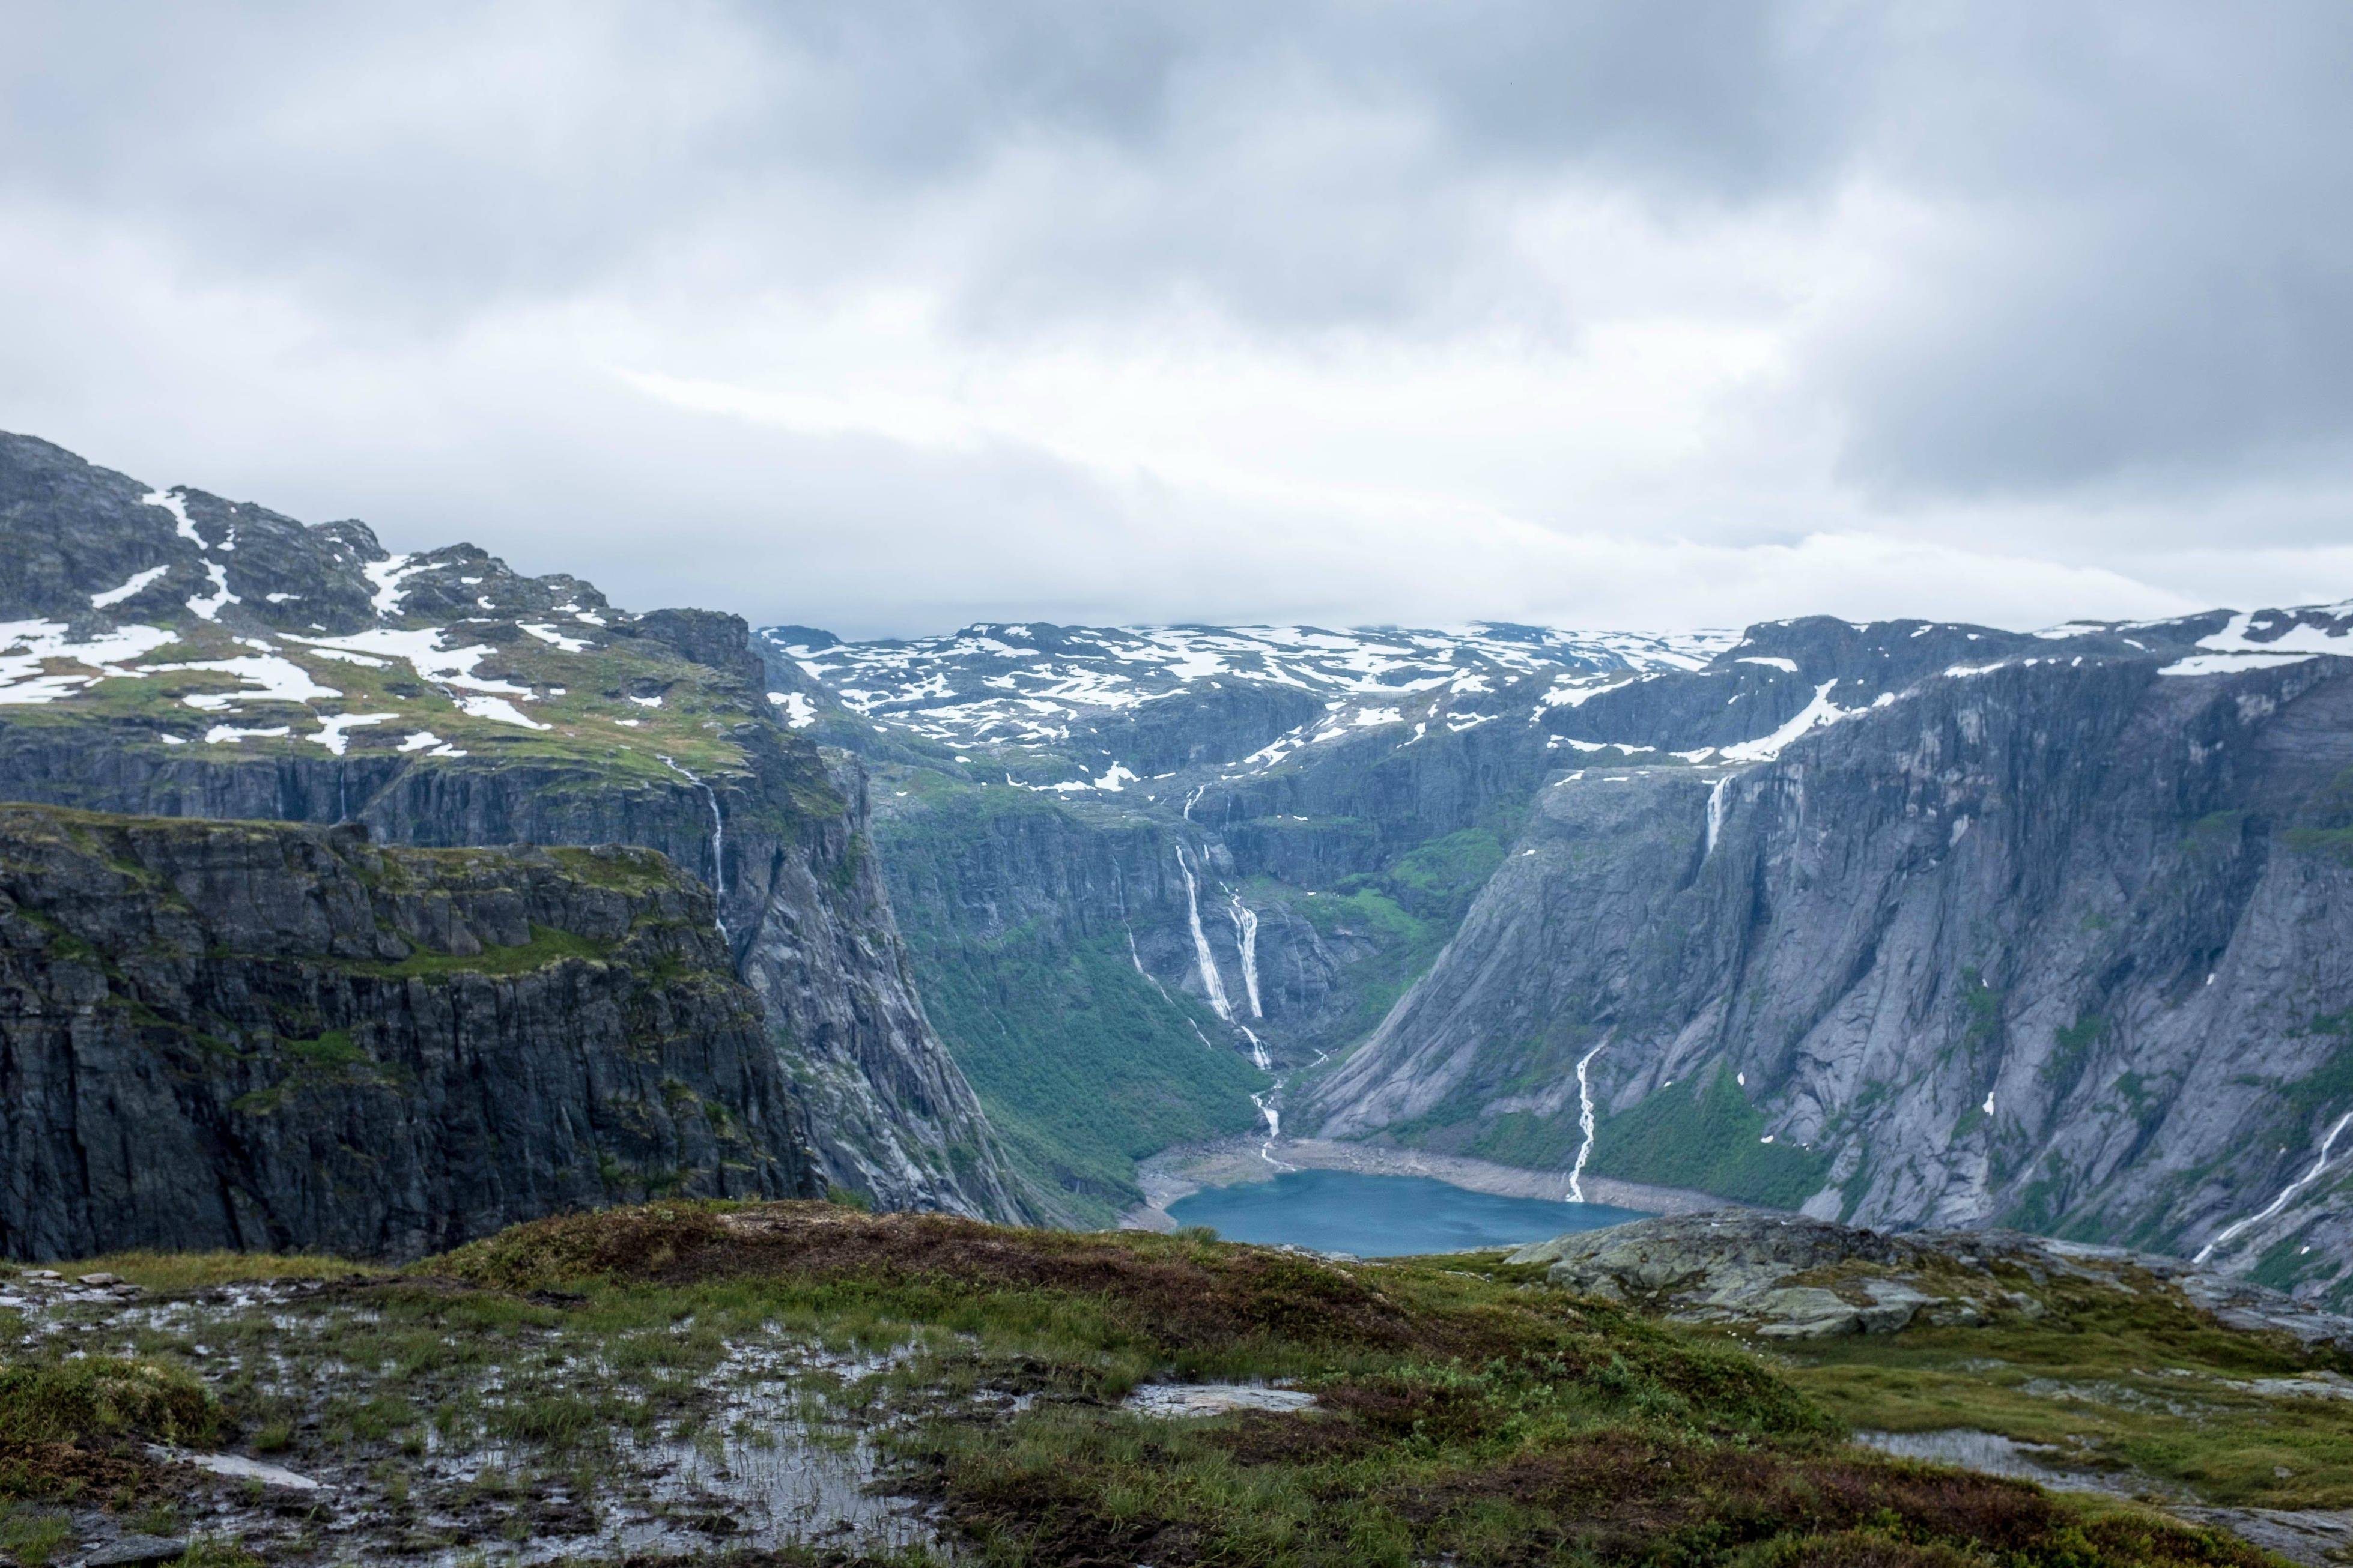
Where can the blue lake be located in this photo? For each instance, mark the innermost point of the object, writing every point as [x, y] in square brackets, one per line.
[1383, 1217]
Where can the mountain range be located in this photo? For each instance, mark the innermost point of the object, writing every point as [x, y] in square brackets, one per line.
[1899, 923]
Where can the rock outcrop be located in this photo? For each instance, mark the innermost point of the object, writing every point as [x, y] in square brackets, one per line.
[258, 1036]
[1788, 1277]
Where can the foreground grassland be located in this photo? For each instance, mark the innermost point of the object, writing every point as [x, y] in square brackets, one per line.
[2142, 1389]
[668, 1383]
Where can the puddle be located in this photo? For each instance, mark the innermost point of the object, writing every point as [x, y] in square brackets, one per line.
[1184, 1399]
[773, 1447]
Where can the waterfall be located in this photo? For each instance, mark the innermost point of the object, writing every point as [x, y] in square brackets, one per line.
[718, 840]
[1246, 938]
[1584, 1125]
[1715, 814]
[2287, 1192]
[1190, 799]
[1273, 1119]
[1259, 1057]
[1210, 983]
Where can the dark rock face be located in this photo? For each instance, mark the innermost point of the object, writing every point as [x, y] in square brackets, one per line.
[726, 791]
[240, 1034]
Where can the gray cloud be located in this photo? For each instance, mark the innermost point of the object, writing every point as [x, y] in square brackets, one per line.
[2060, 285]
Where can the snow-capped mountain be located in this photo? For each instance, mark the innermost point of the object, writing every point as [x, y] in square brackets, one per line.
[1078, 691]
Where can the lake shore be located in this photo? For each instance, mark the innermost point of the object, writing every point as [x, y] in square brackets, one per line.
[1176, 1173]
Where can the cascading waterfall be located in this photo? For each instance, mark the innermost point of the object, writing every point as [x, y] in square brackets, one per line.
[1584, 1125]
[2319, 1166]
[1246, 938]
[718, 840]
[1273, 1119]
[1259, 1058]
[1715, 814]
[1190, 799]
[1210, 983]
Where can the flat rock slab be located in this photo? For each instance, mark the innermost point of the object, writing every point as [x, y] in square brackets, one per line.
[238, 1467]
[130, 1549]
[1182, 1399]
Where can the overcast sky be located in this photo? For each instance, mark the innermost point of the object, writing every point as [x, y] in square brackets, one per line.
[891, 315]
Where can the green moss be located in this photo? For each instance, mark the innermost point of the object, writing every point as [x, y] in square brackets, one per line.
[547, 945]
[1708, 1137]
[1441, 877]
[2135, 1378]
[2072, 1051]
[99, 1397]
[2336, 843]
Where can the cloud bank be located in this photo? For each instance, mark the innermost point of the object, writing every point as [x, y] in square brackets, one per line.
[892, 315]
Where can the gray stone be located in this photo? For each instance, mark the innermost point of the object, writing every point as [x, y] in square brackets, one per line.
[130, 1549]
[1196, 1399]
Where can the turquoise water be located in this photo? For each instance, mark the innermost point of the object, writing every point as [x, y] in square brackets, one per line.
[1383, 1217]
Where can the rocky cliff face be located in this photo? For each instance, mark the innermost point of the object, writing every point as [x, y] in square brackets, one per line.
[1142, 868]
[2059, 943]
[1908, 923]
[183, 655]
[250, 1036]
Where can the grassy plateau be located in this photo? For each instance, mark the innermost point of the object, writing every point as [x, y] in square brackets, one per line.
[806, 1383]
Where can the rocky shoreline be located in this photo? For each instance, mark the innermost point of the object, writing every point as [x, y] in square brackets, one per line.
[1176, 1173]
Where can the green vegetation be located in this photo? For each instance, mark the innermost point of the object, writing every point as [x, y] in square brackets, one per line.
[580, 700]
[1083, 1064]
[1464, 1409]
[1707, 1137]
[2072, 1051]
[102, 1397]
[547, 945]
[1440, 877]
[2133, 1381]
[2326, 822]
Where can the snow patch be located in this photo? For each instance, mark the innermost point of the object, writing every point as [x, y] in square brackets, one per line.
[334, 731]
[388, 576]
[2224, 663]
[500, 710]
[179, 510]
[225, 734]
[136, 583]
[551, 635]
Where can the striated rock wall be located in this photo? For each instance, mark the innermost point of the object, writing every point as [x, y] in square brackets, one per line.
[2060, 946]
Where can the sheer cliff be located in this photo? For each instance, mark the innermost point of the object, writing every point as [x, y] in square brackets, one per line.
[175, 654]
[2054, 941]
[254, 1035]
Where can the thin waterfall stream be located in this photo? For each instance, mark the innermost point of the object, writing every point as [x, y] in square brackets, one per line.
[718, 844]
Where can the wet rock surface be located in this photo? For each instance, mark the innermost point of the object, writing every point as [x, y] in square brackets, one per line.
[1790, 1277]
[1189, 1399]
[768, 1443]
